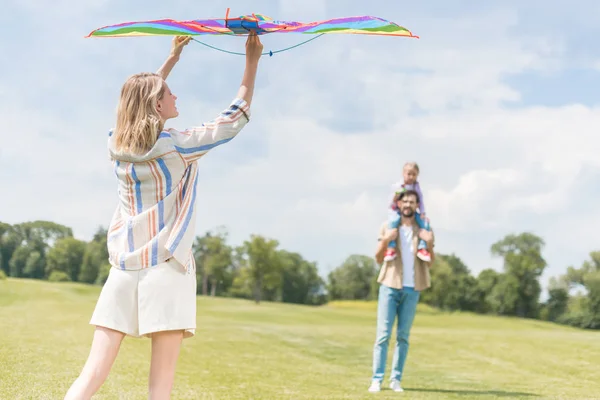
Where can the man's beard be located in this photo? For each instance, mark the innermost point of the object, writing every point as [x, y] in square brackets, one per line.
[407, 212]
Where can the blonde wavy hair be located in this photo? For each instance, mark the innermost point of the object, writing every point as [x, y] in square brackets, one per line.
[138, 121]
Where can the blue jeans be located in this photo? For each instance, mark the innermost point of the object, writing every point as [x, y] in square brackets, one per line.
[392, 303]
[394, 222]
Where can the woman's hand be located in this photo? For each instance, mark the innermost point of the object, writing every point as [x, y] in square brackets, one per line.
[254, 48]
[177, 45]
[176, 49]
[253, 52]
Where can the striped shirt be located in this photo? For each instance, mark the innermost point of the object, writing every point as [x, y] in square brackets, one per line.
[156, 215]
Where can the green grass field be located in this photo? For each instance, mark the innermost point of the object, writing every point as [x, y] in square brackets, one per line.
[276, 351]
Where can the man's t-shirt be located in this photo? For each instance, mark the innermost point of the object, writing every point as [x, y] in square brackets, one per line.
[408, 257]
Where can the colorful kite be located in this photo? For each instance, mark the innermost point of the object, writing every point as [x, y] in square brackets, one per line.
[258, 23]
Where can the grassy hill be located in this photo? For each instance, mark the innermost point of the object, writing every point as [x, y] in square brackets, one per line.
[277, 351]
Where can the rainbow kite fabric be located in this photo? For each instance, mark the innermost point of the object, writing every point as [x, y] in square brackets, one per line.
[261, 24]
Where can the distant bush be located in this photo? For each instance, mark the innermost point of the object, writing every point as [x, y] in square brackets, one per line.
[2, 275]
[581, 319]
[58, 276]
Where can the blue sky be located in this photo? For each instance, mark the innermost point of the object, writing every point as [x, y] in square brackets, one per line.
[497, 103]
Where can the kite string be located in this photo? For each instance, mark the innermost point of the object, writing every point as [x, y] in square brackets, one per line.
[270, 53]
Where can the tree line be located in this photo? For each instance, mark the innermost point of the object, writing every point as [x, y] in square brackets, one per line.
[573, 298]
[260, 270]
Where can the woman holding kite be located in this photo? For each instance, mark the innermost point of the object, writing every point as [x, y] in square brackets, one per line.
[151, 287]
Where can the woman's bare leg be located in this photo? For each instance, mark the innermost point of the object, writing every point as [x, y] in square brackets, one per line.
[165, 351]
[105, 347]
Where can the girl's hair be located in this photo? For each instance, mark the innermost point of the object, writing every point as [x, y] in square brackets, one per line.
[138, 121]
[412, 165]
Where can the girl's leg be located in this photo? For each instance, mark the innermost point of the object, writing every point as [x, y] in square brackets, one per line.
[422, 251]
[393, 223]
[165, 351]
[105, 347]
[423, 224]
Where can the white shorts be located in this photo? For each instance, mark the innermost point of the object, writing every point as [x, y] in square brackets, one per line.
[139, 303]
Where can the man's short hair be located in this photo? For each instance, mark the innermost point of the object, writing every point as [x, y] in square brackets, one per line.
[400, 195]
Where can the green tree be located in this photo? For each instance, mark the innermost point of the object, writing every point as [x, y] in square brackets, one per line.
[218, 260]
[30, 237]
[5, 252]
[441, 294]
[18, 261]
[10, 240]
[214, 262]
[34, 265]
[484, 287]
[452, 285]
[91, 262]
[504, 298]
[103, 272]
[587, 278]
[66, 256]
[242, 285]
[259, 266]
[465, 282]
[301, 281]
[44, 231]
[200, 251]
[519, 290]
[353, 280]
[557, 304]
[94, 256]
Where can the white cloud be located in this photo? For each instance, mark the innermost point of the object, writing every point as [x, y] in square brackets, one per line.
[333, 123]
[306, 11]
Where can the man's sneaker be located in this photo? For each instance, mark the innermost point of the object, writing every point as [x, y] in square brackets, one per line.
[395, 386]
[424, 255]
[375, 386]
[390, 254]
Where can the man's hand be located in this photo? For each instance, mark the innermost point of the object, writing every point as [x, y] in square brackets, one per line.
[384, 240]
[390, 234]
[426, 236]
